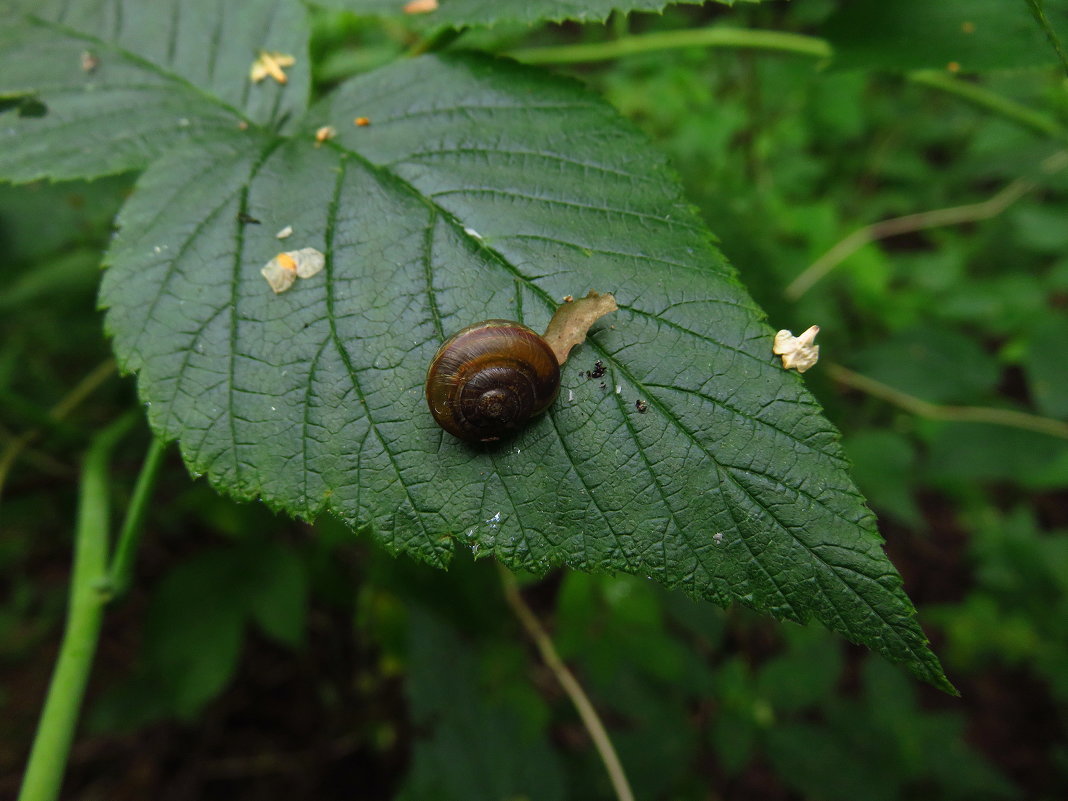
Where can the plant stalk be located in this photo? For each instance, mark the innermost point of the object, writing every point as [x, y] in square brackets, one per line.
[935, 411]
[1038, 11]
[121, 569]
[779, 41]
[55, 732]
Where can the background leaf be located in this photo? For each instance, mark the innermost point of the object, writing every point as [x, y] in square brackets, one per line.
[121, 83]
[475, 744]
[914, 34]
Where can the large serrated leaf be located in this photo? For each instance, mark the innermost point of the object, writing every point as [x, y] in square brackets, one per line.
[124, 81]
[481, 189]
[484, 189]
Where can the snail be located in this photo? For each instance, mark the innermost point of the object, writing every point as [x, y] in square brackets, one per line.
[489, 379]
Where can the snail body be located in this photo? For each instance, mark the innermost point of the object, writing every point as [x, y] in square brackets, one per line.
[489, 379]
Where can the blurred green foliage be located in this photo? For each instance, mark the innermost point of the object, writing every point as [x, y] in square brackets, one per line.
[243, 625]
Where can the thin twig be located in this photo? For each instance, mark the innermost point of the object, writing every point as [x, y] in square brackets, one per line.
[82, 390]
[934, 411]
[583, 706]
[936, 218]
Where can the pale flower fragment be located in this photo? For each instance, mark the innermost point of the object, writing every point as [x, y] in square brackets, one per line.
[798, 353]
[285, 268]
[285, 233]
[309, 261]
[271, 64]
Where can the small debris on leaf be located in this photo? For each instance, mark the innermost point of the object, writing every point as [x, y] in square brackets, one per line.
[641, 405]
[272, 65]
[361, 122]
[285, 233]
[285, 268]
[572, 322]
[247, 219]
[798, 353]
[325, 133]
[569, 298]
[473, 233]
[89, 62]
[420, 6]
[242, 126]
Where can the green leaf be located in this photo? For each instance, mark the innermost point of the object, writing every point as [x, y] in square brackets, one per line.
[937, 364]
[122, 83]
[1044, 365]
[917, 34]
[474, 745]
[458, 13]
[884, 463]
[194, 631]
[485, 189]
[275, 585]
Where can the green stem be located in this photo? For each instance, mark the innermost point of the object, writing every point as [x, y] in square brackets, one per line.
[1039, 13]
[130, 535]
[55, 732]
[779, 41]
[782, 42]
[990, 101]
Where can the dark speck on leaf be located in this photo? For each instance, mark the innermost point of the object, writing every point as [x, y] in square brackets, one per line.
[641, 405]
[247, 219]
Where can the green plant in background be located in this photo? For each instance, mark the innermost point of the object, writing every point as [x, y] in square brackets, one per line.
[483, 189]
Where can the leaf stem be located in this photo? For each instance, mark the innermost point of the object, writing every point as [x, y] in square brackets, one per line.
[55, 732]
[590, 719]
[934, 411]
[779, 41]
[935, 218]
[121, 569]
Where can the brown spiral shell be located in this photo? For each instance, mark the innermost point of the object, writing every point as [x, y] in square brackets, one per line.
[489, 379]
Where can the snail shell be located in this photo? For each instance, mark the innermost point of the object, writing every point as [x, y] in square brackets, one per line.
[489, 379]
